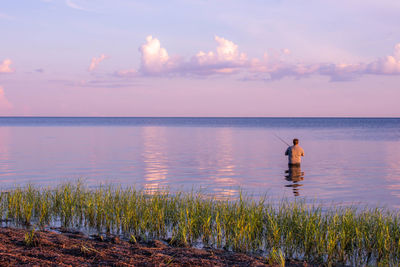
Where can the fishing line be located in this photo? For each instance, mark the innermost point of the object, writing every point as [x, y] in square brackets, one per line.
[281, 139]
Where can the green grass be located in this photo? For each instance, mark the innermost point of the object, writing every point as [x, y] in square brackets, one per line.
[31, 239]
[289, 230]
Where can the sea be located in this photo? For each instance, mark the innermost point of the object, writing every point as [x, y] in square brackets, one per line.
[347, 161]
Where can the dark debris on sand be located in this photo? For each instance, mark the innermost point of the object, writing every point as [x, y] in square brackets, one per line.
[69, 248]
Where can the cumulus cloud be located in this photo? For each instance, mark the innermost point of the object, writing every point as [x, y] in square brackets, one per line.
[156, 61]
[4, 103]
[390, 65]
[5, 66]
[286, 51]
[226, 52]
[226, 59]
[96, 61]
[154, 58]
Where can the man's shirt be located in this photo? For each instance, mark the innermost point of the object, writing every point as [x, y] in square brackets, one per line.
[294, 154]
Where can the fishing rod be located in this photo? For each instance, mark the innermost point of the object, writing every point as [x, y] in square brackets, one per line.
[281, 139]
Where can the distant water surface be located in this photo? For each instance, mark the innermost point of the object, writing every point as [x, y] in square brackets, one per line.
[347, 160]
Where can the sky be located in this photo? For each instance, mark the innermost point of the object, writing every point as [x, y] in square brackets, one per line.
[259, 58]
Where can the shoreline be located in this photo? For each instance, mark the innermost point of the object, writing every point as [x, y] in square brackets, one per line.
[291, 230]
[74, 248]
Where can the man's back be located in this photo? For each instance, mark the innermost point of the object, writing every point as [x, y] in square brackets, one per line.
[294, 154]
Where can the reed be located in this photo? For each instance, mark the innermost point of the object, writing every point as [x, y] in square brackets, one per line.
[292, 230]
[31, 239]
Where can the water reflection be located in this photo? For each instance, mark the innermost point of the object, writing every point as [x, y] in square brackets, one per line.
[353, 166]
[5, 169]
[294, 175]
[154, 158]
[225, 167]
[392, 159]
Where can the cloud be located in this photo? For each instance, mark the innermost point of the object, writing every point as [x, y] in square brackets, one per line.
[96, 61]
[5, 66]
[226, 59]
[226, 52]
[286, 51]
[390, 65]
[126, 73]
[4, 103]
[156, 61]
[154, 58]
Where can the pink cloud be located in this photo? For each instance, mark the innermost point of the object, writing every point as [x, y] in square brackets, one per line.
[154, 58]
[126, 73]
[226, 51]
[5, 66]
[286, 51]
[389, 65]
[4, 103]
[96, 61]
[226, 59]
[156, 61]
[274, 70]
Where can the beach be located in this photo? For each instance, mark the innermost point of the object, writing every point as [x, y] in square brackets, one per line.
[274, 234]
[61, 247]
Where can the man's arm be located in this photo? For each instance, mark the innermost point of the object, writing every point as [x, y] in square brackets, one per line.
[287, 151]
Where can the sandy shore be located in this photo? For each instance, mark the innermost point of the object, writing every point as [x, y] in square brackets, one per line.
[76, 249]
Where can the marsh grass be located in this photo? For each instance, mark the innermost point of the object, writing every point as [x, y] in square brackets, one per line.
[291, 229]
[31, 239]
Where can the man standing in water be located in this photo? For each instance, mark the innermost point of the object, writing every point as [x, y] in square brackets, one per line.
[294, 153]
[294, 173]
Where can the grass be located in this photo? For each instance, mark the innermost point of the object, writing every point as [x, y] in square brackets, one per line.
[289, 230]
[31, 239]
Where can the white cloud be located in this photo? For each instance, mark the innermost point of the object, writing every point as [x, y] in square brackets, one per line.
[96, 61]
[286, 51]
[154, 58]
[227, 59]
[4, 103]
[227, 51]
[5, 66]
[156, 61]
[389, 65]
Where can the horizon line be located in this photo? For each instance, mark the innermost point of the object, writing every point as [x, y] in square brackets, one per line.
[213, 117]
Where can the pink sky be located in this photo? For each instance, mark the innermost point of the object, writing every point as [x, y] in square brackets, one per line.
[74, 58]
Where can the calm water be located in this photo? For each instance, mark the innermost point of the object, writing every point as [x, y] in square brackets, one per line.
[346, 160]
